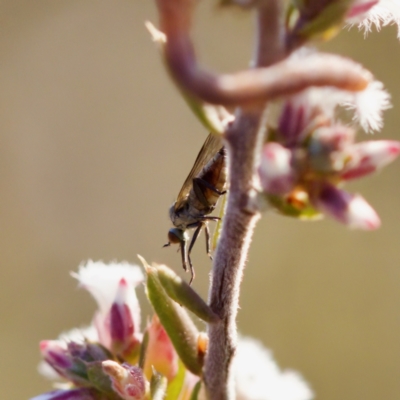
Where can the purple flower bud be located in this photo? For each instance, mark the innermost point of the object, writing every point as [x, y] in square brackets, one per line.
[56, 354]
[275, 171]
[291, 122]
[367, 157]
[72, 394]
[351, 210]
[105, 284]
[127, 381]
[121, 324]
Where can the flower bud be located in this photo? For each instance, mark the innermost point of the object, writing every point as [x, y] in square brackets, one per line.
[275, 171]
[127, 381]
[292, 122]
[121, 325]
[160, 352]
[368, 157]
[351, 210]
[113, 285]
[58, 356]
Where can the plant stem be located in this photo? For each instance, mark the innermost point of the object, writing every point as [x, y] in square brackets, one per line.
[230, 257]
[244, 138]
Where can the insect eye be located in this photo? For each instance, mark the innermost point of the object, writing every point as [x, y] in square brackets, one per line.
[176, 235]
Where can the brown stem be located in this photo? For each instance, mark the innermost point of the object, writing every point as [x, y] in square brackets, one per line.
[231, 254]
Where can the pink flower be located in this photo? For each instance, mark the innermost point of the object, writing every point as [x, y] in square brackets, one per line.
[304, 162]
[113, 287]
[351, 210]
[368, 157]
[160, 352]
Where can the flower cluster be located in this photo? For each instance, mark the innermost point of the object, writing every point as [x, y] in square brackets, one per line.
[113, 360]
[309, 154]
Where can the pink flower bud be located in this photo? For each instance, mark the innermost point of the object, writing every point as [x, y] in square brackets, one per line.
[56, 354]
[121, 325]
[73, 394]
[110, 284]
[160, 352]
[127, 381]
[276, 173]
[367, 157]
[359, 9]
[351, 210]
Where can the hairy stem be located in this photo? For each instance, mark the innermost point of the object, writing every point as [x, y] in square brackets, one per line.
[244, 138]
[231, 254]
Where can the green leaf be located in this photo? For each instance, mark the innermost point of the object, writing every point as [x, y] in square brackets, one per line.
[175, 386]
[184, 294]
[175, 320]
[196, 391]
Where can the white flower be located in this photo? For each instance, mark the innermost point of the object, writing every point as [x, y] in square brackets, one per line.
[385, 12]
[104, 281]
[368, 106]
[257, 376]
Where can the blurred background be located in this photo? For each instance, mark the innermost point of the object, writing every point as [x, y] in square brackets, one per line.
[95, 143]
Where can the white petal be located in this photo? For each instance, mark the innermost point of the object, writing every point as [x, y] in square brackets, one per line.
[257, 376]
[368, 106]
[102, 280]
[386, 12]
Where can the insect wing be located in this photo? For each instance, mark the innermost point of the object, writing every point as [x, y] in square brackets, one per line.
[210, 147]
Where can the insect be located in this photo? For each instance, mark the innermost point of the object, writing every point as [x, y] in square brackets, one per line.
[198, 197]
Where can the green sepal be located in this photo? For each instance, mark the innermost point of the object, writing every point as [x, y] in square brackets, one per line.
[196, 391]
[100, 380]
[175, 320]
[158, 386]
[206, 113]
[143, 349]
[175, 386]
[183, 294]
[283, 207]
[328, 22]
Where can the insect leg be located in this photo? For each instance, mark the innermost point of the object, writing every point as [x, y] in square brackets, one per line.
[207, 240]
[183, 254]
[192, 242]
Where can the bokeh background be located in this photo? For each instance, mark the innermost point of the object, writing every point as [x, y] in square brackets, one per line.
[94, 145]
